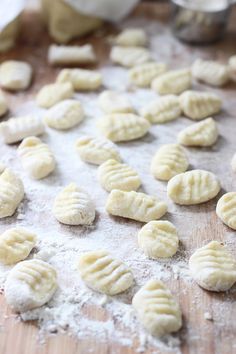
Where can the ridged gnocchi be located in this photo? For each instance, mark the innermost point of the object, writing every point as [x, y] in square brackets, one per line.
[143, 74]
[133, 205]
[172, 82]
[16, 244]
[204, 133]
[36, 157]
[169, 161]
[16, 129]
[158, 239]
[114, 102]
[51, 94]
[3, 104]
[162, 110]
[193, 187]
[130, 56]
[115, 175]
[123, 126]
[73, 206]
[198, 105]
[131, 37]
[30, 284]
[212, 267]
[156, 309]
[15, 75]
[226, 209]
[96, 150]
[81, 79]
[210, 72]
[71, 54]
[105, 274]
[11, 193]
[64, 115]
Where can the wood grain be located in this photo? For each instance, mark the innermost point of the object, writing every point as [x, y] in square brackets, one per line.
[198, 335]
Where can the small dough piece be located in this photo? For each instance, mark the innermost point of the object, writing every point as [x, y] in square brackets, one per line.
[16, 129]
[193, 187]
[36, 157]
[198, 105]
[114, 102]
[116, 175]
[169, 161]
[51, 94]
[16, 244]
[73, 206]
[213, 267]
[158, 239]
[81, 79]
[143, 74]
[123, 126]
[226, 209]
[132, 37]
[3, 104]
[156, 309]
[233, 163]
[30, 284]
[15, 75]
[173, 82]
[64, 115]
[11, 193]
[71, 55]
[104, 274]
[130, 56]
[162, 110]
[210, 72]
[133, 205]
[96, 150]
[204, 133]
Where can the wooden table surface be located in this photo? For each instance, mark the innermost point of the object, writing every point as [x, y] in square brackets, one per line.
[213, 336]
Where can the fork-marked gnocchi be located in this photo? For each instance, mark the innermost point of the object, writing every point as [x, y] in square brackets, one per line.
[133, 205]
[213, 267]
[210, 72]
[130, 56]
[131, 37]
[71, 54]
[115, 175]
[16, 244]
[114, 102]
[226, 209]
[81, 79]
[172, 82]
[30, 284]
[105, 274]
[51, 94]
[143, 74]
[157, 309]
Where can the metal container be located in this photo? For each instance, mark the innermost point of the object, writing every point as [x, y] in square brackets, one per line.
[200, 21]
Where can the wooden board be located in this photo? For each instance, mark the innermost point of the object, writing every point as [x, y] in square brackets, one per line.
[198, 335]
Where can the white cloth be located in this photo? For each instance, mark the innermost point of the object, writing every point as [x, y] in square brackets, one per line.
[9, 10]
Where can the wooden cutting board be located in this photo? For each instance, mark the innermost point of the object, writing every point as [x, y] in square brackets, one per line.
[216, 336]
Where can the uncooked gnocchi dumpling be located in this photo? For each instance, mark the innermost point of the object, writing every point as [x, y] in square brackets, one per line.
[193, 187]
[158, 239]
[3, 104]
[15, 75]
[16, 244]
[16, 129]
[210, 72]
[131, 37]
[233, 163]
[226, 209]
[133, 205]
[71, 55]
[81, 79]
[156, 308]
[129, 56]
[51, 94]
[115, 175]
[173, 82]
[104, 274]
[73, 206]
[162, 110]
[213, 267]
[114, 102]
[169, 161]
[123, 126]
[64, 115]
[204, 133]
[198, 105]
[96, 150]
[143, 74]
[30, 284]
[36, 157]
[11, 193]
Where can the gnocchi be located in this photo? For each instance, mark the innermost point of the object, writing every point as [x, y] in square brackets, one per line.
[172, 82]
[210, 72]
[130, 56]
[3, 104]
[143, 74]
[114, 102]
[51, 94]
[71, 55]
[80, 79]
[15, 75]
[132, 37]
[226, 209]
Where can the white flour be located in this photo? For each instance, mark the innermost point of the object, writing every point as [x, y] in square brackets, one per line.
[62, 245]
